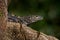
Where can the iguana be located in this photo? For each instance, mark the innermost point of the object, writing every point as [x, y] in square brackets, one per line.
[24, 19]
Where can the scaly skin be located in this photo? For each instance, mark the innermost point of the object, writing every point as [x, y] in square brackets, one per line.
[24, 19]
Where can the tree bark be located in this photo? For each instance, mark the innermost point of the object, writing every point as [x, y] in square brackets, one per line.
[3, 17]
[3, 14]
[16, 31]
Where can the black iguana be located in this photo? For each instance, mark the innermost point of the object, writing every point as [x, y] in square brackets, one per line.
[24, 19]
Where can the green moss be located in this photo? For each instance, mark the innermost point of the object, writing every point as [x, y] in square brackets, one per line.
[1, 14]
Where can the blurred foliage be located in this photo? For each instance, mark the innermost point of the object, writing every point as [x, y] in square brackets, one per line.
[49, 9]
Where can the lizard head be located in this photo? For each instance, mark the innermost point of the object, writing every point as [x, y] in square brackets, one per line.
[34, 18]
[30, 19]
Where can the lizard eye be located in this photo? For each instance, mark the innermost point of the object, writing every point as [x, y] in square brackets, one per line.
[36, 16]
[29, 17]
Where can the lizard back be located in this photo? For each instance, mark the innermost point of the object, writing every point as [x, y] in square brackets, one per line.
[24, 19]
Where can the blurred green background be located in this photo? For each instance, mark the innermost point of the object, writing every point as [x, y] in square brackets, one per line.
[49, 9]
